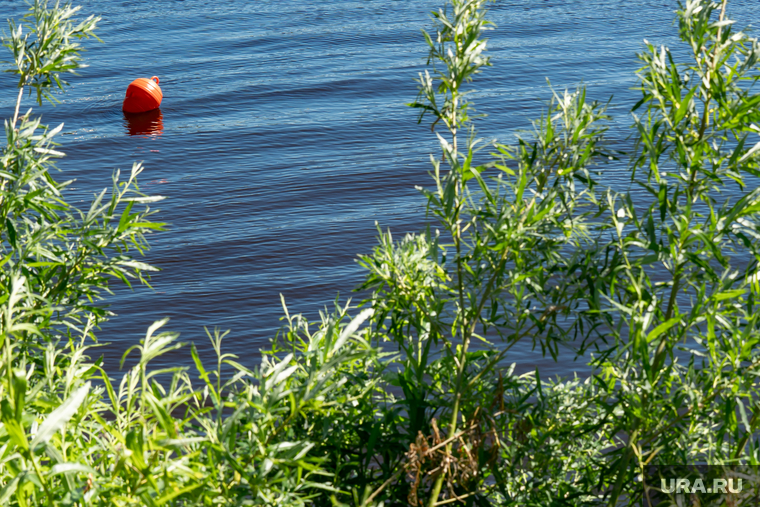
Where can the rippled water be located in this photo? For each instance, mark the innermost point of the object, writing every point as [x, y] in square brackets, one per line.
[283, 136]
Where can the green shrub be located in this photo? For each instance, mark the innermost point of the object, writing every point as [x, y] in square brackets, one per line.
[70, 434]
[658, 295]
[530, 247]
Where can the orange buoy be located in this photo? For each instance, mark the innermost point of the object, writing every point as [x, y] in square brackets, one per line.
[142, 95]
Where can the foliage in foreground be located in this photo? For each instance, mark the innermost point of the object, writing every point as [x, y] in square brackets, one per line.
[658, 296]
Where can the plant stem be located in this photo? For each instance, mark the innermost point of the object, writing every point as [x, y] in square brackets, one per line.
[18, 106]
[710, 71]
[13, 126]
[42, 478]
[463, 321]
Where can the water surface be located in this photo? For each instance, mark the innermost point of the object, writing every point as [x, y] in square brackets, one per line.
[284, 136]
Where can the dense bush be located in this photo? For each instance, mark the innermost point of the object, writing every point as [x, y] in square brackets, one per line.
[247, 440]
[531, 247]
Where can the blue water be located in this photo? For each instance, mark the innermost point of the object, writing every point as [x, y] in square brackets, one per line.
[283, 136]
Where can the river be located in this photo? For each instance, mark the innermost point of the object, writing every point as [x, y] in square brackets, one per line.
[283, 137]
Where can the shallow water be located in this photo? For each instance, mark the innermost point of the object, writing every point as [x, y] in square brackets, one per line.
[283, 136]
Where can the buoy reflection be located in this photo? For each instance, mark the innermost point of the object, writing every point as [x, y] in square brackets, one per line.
[150, 123]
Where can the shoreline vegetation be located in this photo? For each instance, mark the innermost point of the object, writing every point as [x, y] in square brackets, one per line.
[658, 297]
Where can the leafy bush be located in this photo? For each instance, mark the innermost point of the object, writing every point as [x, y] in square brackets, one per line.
[70, 435]
[660, 294]
[531, 247]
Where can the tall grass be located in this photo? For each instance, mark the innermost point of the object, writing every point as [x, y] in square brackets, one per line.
[530, 246]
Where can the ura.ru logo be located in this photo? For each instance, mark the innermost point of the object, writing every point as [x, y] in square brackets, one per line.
[730, 485]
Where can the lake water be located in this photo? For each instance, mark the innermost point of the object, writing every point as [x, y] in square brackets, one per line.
[283, 136]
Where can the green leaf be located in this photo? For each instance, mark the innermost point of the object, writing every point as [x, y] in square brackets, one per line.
[11, 233]
[125, 216]
[12, 426]
[60, 416]
[9, 489]
[174, 494]
[351, 328]
[743, 415]
[66, 468]
[651, 232]
[163, 417]
[644, 99]
[19, 392]
[730, 294]
[683, 107]
[664, 327]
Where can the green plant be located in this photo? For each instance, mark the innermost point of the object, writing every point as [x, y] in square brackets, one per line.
[69, 434]
[493, 271]
[678, 289]
[662, 294]
[63, 255]
[530, 247]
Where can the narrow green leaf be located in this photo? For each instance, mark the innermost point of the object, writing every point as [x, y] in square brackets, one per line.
[664, 327]
[174, 494]
[9, 489]
[683, 107]
[125, 216]
[66, 468]
[19, 392]
[11, 233]
[60, 416]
